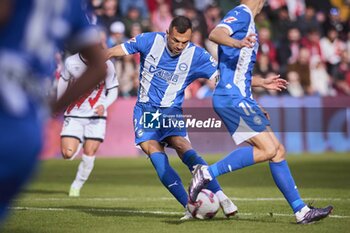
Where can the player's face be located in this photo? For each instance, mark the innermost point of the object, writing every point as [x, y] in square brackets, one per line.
[178, 41]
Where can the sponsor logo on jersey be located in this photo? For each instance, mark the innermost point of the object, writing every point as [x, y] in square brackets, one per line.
[230, 19]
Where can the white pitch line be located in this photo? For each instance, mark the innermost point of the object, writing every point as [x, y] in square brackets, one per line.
[148, 211]
[169, 198]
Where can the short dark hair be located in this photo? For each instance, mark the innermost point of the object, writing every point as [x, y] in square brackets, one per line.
[181, 23]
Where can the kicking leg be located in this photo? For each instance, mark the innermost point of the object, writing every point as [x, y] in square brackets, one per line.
[167, 175]
[191, 159]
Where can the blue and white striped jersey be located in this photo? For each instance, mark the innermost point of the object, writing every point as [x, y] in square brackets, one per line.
[33, 32]
[236, 65]
[164, 77]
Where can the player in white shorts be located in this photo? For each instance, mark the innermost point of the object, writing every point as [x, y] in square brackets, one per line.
[85, 120]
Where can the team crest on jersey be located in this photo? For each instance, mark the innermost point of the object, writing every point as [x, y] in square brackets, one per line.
[230, 19]
[139, 133]
[183, 67]
[257, 120]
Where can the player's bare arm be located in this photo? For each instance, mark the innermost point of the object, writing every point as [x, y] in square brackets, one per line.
[221, 35]
[116, 51]
[89, 79]
[270, 83]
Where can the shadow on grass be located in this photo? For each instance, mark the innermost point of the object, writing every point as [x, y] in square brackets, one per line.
[255, 219]
[42, 191]
[122, 212]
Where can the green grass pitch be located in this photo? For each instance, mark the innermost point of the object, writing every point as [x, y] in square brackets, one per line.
[125, 195]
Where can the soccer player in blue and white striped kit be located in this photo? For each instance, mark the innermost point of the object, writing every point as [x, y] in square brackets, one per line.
[169, 63]
[31, 31]
[243, 118]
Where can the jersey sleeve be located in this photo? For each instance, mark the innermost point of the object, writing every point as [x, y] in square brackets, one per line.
[111, 78]
[65, 73]
[235, 20]
[207, 66]
[138, 44]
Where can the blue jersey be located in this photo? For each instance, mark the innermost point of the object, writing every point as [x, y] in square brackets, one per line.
[34, 31]
[236, 65]
[163, 76]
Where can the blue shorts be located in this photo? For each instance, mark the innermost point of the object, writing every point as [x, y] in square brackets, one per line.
[20, 145]
[154, 123]
[242, 117]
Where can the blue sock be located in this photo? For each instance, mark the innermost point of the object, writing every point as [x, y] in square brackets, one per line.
[191, 158]
[239, 158]
[285, 182]
[169, 177]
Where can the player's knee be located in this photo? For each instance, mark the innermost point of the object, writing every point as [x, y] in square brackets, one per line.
[281, 154]
[90, 151]
[270, 152]
[67, 153]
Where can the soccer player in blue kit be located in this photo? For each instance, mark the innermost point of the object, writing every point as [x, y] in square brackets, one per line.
[169, 63]
[31, 31]
[242, 116]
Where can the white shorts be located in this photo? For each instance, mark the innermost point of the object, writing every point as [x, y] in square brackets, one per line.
[84, 128]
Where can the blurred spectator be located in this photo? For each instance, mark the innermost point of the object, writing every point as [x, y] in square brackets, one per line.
[266, 47]
[179, 6]
[332, 47]
[161, 18]
[288, 51]
[153, 5]
[280, 24]
[302, 67]
[294, 87]
[308, 21]
[227, 5]
[322, 6]
[342, 74]
[197, 19]
[117, 35]
[201, 5]
[262, 21]
[141, 5]
[296, 8]
[334, 22]
[134, 17]
[320, 80]
[344, 9]
[312, 42]
[109, 13]
[212, 15]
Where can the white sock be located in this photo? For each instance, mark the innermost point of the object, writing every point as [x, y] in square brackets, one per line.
[221, 195]
[301, 213]
[85, 168]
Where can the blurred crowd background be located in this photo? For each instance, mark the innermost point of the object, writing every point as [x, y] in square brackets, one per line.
[306, 41]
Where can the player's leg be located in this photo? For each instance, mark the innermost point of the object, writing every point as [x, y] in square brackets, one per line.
[284, 180]
[71, 137]
[167, 175]
[94, 133]
[20, 146]
[191, 158]
[85, 167]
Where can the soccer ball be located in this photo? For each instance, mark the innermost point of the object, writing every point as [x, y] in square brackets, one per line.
[206, 206]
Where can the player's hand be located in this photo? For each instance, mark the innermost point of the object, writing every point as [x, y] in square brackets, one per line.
[275, 83]
[100, 110]
[248, 41]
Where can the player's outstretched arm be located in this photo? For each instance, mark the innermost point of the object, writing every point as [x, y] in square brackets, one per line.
[94, 74]
[221, 36]
[116, 51]
[270, 83]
